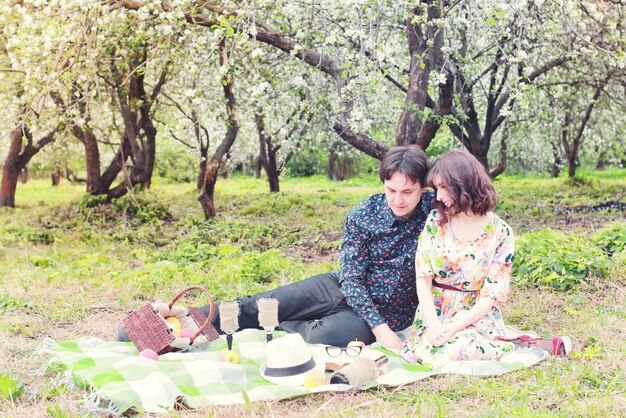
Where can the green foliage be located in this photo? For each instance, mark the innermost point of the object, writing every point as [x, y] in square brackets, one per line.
[189, 251]
[143, 207]
[254, 267]
[89, 201]
[227, 271]
[7, 303]
[202, 237]
[559, 260]
[10, 388]
[57, 411]
[278, 205]
[611, 239]
[38, 237]
[581, 181]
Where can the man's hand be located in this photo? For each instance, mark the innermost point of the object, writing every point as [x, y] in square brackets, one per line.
[386, 337]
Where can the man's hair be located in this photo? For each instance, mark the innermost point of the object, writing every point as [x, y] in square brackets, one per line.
[467, 183]
[409, 160]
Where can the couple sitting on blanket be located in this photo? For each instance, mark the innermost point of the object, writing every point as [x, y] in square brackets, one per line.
[445, 249]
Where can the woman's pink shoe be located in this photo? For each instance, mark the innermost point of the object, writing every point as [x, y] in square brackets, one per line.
[561, 346]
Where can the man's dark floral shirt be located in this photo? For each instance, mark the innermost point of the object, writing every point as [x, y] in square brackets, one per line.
[377, 272]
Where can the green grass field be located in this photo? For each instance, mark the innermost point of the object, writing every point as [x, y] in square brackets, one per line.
[72, 266]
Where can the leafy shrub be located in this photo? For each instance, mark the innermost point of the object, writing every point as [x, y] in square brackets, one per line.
[39, 261]
[38, 237]
[279, 204]
[235, 272]
[611, 239]
[199, 244]
[252, 234]
[90, 201]
[581, 181]
[559, 260]
[262, 267]
[10, 387]
[189, 251]
[141, 206]
[8, 303]
[146, 210]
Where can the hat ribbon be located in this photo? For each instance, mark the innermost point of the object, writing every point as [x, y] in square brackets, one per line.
[290, 371]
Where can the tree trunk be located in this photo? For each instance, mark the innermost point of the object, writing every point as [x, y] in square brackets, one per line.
[344, 168]
[267, 154]
[556, 161]
[330, 167]
[11, 169]
[23, 176]
[116, 165]
[18, 157]
[9, 185]
[571, 150]
[150, 143]
[272, 173]
[56, 176]
[571, 169]
[139, 135]
[224, 171]
[202, 169]
[258, 166]
[203, 146]
[601, 163]
[339, 166]
[206, 197]
[480, 153]
[92, 163]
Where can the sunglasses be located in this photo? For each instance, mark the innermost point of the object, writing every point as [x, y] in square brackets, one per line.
[351, 351]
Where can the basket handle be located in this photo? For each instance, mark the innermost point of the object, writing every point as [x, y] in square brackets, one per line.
[211, 312]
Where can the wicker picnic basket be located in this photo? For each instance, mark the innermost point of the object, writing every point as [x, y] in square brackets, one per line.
[147, 328]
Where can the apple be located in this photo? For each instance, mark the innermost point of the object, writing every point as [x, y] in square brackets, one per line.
[231, 357]
[174, 323]
[314, 378]
[149, 353]
[186, 333]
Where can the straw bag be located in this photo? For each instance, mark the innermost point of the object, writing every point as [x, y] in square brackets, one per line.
[147, 328]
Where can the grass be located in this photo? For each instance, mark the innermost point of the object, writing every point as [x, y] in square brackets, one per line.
[70, 267]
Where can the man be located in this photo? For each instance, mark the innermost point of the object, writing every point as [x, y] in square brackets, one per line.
[373, 293]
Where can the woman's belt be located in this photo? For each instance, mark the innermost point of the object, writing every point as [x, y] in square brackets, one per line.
[448, 287]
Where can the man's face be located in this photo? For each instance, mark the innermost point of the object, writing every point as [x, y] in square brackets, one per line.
[403, 195]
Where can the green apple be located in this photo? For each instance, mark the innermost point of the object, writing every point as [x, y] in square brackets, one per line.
[174, 323]
[231, 357]
[314, 378]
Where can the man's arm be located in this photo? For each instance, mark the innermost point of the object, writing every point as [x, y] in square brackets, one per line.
[353, 267]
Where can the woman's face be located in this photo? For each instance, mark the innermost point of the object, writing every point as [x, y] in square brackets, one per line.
[443, 195]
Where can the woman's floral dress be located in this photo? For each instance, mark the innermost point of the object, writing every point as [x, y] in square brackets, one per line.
[477, 268]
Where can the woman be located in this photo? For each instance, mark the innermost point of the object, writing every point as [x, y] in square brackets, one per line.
[463, 266]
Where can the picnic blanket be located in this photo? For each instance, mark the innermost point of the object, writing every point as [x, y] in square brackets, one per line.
[117, 379]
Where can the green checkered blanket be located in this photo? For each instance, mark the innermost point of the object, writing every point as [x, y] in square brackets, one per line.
[118, 379]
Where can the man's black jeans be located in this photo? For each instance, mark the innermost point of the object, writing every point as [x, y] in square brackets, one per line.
[315, 308]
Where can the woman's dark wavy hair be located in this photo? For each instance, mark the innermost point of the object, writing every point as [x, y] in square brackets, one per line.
[467, 182]
[409, 160]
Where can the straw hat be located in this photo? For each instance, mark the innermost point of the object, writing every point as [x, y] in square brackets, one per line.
[288, 361]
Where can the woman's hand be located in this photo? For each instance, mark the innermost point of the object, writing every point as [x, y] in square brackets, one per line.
[441, 333]
[433, 333]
